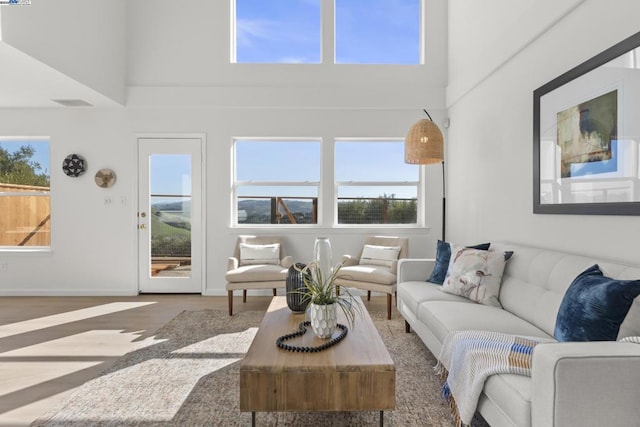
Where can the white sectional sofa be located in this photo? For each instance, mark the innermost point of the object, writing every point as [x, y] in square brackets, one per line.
[572, 383]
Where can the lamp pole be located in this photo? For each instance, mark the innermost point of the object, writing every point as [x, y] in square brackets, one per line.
[424, 144]
[444, 205]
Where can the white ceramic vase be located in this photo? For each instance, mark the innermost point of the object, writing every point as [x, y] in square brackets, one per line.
[324, 319]
[322, 256]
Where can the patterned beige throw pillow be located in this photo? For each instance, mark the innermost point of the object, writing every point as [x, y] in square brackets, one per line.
[379, 255]
[259, 254]
[475, 274]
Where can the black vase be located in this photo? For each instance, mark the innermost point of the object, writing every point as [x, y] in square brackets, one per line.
[296, 301]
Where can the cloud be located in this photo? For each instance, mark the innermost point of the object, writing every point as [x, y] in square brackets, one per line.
[248, 30]
[294, 60]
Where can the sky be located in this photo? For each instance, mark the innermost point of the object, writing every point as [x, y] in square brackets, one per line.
[366, 31]
[41, 147]
[170, 174]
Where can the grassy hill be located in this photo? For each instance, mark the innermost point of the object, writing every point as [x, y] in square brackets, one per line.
[161, 229]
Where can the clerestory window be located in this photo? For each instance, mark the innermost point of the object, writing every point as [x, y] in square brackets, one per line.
[356, 31]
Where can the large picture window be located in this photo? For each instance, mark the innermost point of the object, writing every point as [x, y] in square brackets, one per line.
[373, 184]
[276, 181]
[25, 218]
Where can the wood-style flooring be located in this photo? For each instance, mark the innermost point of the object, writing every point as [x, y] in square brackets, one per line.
[51, 345]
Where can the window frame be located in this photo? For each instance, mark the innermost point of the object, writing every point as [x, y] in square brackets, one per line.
[34, 248]
[419, 184]
[236, 184]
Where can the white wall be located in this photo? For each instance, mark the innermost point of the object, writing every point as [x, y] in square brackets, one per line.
[94, 245]
[490, 140]
[180, 82]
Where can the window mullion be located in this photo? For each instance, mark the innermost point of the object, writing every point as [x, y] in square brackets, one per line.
[378, 183]
[278, 183]
[327, 33]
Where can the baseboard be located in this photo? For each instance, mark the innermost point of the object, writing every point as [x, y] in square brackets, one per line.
[66, 293]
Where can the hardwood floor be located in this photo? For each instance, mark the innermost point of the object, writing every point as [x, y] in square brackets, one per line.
[51, 345]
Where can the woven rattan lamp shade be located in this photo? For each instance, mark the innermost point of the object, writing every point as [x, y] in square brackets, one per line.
[424, 144]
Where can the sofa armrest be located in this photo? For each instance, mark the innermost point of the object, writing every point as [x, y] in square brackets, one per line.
[414, 269]
[287, 261]
[348, 260]
[585, 384]
[232, 263]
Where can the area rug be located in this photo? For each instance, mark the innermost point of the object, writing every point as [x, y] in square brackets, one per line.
[190, 378]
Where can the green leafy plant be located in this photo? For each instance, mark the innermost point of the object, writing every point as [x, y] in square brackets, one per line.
[321, 290]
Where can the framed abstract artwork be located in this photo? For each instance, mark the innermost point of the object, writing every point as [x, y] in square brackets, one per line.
[586, 135]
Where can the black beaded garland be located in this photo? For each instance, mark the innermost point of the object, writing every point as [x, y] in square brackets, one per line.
[301, 331]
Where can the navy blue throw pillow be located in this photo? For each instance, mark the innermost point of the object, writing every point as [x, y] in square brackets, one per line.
[594, 307]
[443, 255]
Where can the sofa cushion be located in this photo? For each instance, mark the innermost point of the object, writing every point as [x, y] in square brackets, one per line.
[379, 255]
[512, 394]
[368, 273]
[412, 294]
[443, 317]
[259, 254]
[257, 273]
[443, 256]
[594, 307]
[631, 325]
[475, 274]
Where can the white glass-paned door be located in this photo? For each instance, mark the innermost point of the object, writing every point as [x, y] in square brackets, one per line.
[170, 215]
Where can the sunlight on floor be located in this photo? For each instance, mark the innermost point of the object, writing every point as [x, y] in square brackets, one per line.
[43, 363]
[222, 344]
[162, 383]
[68, 317]
[20, 375]
[98, 343]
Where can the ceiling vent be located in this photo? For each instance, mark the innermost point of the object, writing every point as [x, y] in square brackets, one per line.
[72, 102]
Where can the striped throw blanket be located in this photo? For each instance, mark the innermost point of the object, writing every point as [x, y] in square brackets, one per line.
[473, 356]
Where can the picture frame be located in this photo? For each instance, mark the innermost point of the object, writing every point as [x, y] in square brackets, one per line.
[586, 153]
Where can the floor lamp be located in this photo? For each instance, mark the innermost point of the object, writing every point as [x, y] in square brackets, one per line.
[424, 145]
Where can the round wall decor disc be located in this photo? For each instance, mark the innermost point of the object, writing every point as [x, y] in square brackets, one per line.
[73, 165]
[105, 178]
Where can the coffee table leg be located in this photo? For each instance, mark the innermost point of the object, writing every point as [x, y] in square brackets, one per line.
[253, 419]
[381, 418]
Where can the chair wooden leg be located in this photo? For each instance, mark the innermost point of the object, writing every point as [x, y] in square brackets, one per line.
[244, 295]
[389, 306]
[368, 295]
[274, 292]
[230, 297]
[407, 327]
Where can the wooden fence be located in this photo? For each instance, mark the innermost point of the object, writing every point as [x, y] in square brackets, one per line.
[24, 220]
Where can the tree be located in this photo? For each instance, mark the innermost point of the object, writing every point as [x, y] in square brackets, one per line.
[19, 168]
[384, 209]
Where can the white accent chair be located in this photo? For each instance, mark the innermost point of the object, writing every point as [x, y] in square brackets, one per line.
[376, 274]
[243, 273]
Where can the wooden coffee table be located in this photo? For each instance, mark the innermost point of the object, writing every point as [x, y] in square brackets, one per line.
[357, 374]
